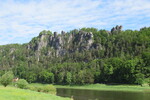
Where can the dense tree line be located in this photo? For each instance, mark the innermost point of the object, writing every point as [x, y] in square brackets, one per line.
[124, 57]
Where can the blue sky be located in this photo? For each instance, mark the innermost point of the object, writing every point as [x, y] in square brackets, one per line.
[21, 20]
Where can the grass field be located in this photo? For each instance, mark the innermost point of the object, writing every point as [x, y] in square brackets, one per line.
[134, 88]
[12, 93]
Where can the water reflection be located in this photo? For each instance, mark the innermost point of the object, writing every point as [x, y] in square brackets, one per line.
[102, 95]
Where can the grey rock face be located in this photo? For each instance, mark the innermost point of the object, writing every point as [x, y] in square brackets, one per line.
[43, 42]
[55, 34]
[12, 50]
[70, 38]
[84, 40]
[63, 33]
[63, 43]
[116, 29]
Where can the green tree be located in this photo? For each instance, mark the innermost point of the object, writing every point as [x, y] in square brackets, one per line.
[46, 77]
[146, 58]
[31, 77]
[7, 78]
[68, 78]
[60, 77]
[80, 77]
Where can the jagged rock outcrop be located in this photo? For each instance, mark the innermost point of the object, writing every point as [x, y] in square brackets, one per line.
[84, 40]
[42, 42]
[62, 43]
[12, 50]
[116, 29]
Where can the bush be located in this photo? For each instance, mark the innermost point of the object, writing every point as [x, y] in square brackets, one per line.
[7, 78]
[145, 85]
[146, 82]
[44, 88]
[22, 84]
[49, 89]
[139, 78]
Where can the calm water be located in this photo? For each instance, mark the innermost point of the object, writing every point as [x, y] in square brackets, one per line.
[102, 95]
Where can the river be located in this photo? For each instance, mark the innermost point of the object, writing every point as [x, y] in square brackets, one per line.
[84, 94]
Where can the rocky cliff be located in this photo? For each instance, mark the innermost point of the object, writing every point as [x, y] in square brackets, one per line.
[60, 44]
[82, 45]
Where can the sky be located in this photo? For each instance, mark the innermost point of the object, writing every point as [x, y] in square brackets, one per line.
[21, 20]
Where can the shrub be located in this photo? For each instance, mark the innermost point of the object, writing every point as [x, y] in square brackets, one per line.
[146, 82]
[22, 84]
[139, 78]
[49, 89]
[145, 85]
[7, 78]
[44, 88]
[36, 88]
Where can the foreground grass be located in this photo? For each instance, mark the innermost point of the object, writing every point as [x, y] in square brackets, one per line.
[12, 93]
[134, 88]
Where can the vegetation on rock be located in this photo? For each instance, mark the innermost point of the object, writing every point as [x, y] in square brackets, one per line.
[81, 56]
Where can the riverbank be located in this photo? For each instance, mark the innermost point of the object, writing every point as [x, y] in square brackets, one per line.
[104, 87]
[12, 93]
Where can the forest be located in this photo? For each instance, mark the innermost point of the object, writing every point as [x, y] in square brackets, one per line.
[87, 56]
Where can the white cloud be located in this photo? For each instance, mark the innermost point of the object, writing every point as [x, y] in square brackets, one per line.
[27, 18]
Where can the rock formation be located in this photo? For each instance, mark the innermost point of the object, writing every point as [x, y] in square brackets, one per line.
[116, 29]
[63, 42]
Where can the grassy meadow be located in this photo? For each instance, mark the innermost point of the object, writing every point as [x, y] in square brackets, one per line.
[134, 88]
[12, 93]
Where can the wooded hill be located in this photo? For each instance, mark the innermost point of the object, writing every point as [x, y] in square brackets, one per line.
[81, 56]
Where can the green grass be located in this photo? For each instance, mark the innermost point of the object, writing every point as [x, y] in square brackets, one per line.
[12, 93]
[134, 88]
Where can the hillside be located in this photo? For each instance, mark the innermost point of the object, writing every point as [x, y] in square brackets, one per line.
[81, 56]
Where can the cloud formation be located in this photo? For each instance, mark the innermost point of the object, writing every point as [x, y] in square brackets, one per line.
[21, 20]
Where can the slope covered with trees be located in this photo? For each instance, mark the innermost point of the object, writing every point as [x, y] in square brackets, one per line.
[81, 56]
